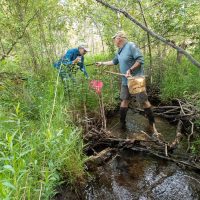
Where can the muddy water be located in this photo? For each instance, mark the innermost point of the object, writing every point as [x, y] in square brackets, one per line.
[137, 123]
[139, 176]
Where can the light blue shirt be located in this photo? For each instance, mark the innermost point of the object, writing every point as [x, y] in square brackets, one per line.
[126, 57]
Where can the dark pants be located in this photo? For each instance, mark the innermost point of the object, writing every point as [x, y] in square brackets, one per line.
[141, 98]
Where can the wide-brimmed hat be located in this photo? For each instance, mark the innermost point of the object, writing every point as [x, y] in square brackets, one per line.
[121, 34]
[84, 46]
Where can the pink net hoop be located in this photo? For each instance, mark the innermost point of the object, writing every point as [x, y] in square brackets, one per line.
[96, 85]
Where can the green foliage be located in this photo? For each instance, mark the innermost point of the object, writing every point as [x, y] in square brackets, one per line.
[179, 80]
[196, 146]
[35, 156]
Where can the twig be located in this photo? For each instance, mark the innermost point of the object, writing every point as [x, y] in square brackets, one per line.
[182, 111]
[178, 137]
[192, 178]
[190, 135]
[166, 152]
[195, 167]
[171, 111]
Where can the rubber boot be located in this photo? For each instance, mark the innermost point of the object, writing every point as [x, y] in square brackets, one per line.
[149, 114]
[123, 112]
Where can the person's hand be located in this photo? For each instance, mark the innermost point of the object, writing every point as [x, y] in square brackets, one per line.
[77, 60]
[98, 64]
[128, 73]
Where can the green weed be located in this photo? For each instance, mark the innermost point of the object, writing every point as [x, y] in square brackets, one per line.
[34, 155]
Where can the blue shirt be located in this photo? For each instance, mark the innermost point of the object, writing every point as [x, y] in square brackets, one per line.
[69, 57]
[126, 57]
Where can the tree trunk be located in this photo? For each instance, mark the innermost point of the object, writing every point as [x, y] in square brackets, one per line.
[100, 34]
[149, 42]
[43, 38]
[27, 37]
[179, 54]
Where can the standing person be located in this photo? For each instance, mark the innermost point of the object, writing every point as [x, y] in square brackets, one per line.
[73, 57]
[131, 63]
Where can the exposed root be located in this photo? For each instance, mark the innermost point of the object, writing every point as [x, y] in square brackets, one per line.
[189, 136]
[178, 137]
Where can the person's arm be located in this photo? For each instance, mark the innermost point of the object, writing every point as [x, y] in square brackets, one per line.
[68, 58]
[107, 63]
[115, 61]
[133, 68]
[82, 67]
[138, 57]
[84, 71]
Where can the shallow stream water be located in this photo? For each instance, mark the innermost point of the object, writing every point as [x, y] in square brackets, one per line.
[140, 176]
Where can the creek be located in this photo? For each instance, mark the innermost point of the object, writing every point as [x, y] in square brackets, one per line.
[133, 175]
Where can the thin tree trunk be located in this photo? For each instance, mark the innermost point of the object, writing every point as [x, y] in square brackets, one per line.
[148, 39]
[99, 32]
[43, 37]
[92, 40]
[2, 47]
[52, 46]
[27, 37]
[118, 19]
[31, 51]
[119, 23]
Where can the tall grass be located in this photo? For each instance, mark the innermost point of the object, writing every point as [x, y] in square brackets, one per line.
[178, 83]
[177, 80]
[34, 157]
[37, 156]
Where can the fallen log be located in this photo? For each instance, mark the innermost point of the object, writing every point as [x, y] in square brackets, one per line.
[100, 158]
[114, 145]
[110, 145]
